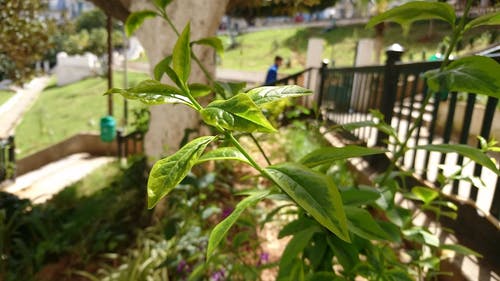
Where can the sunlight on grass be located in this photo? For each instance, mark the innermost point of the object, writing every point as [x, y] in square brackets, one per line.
[5, 96]
[255, 51]
[61, 112]
[92, 183]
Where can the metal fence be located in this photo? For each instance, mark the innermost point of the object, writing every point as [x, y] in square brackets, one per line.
[397, 90]
[7, 159]
[302, 78]
[130, 144]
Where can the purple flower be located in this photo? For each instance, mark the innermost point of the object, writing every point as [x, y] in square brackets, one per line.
[218, 275]
[226, 212]
[264, 258]
[182, 266]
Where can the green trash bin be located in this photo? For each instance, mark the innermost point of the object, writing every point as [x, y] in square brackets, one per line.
[108, 128]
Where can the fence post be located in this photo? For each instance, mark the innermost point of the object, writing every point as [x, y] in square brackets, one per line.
[119, 139]
[323, 72]
[391, 78]
[12, 155]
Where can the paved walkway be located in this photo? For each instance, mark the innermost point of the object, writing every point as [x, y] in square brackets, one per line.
[322, 23]
[253, 78]
[13, 110]
[40, 185]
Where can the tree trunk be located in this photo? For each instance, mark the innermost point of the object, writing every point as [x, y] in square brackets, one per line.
[379, 41]
[169, 122]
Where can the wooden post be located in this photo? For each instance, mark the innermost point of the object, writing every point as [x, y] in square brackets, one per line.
[12, 156]
[322, 72]
[110, 62]
[391, 78]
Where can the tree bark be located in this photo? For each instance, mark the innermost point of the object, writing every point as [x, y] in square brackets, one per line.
[170, 122]
[379, 41]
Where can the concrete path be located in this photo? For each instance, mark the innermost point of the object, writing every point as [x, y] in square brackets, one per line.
[253, 78]
[13, 110]
[40, 185]
[323, 23]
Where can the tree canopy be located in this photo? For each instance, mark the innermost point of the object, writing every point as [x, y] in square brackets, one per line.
[250, 9]
[24, 38]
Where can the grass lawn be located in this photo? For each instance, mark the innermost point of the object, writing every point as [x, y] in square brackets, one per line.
[61, 112]
[77, 226]
[256, 50]
[5, 96]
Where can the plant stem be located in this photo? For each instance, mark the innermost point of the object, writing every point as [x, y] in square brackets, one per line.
[260, 148]
[202, 67]
[404, 145]
[194, 101]
[457, 32]
[238, 146]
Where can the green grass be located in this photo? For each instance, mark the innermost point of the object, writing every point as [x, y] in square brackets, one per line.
[94, 182]
[61, 112]
[256, 50]
[5, 96]
[99, 214]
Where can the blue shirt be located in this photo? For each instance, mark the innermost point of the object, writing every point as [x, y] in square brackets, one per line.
[272, 74]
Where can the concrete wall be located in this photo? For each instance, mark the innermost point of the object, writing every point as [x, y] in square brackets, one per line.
[71, 69]
[85, 142]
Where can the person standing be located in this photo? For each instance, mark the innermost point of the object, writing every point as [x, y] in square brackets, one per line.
[272, 73]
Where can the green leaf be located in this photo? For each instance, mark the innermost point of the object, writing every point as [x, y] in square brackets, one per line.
[346, 253]
[181, 57]
[461, 250]
[474, 74]
[391, 230]
[175, 78]
[420, 235]
[297, 226]
[162, 4]
[228, 89]
[440, 212]
[399, 216]
[408, 13]
[161, 67]
[324, 276]
[237, 113]
[224, 153]
[447, 204]
[358, 197]
[219, 232]
[328, 155]
[169, 172]
[213, 42]
[472, 153]
[293, 249]
[362, 224]
[263, 95]
[425, 194]
[398, 274]
[199, 90]
[135, 20]
[197, 273]
[152, 92]
[369, 123]
[488, 19]
[314, 192]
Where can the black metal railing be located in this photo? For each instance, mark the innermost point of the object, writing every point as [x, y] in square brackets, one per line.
[398, 90]
[7, 159]
[130, 144]
[301, 78]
